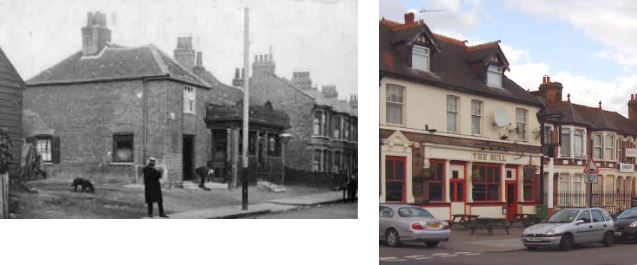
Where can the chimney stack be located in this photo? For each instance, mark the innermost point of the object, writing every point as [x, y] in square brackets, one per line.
[238, 78]
[600, 104]
[184, 53]
[409, 18]
[329, 92]
[632, 107]
[263, 65]
[302, 79]
[353, 101]
[95, 35]
[550, 91]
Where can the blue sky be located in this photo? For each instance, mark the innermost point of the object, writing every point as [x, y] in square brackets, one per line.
[589, 46]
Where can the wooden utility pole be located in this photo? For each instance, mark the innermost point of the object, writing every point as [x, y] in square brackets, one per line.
[246, 108]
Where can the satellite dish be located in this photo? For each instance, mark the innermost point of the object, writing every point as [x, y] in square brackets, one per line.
[501, 117]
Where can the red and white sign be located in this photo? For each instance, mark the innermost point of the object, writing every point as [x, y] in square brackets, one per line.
[590, 167]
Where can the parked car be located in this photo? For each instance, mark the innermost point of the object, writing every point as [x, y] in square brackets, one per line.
[401, 223]
[568, 227]
[626, 225]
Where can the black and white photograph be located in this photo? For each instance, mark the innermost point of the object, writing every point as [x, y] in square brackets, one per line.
[179, 109]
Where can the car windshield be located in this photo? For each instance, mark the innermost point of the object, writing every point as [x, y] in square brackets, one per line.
[628, 214]
[564, 216]
[413, 212]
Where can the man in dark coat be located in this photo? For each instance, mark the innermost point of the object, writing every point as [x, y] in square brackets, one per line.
[205, 173]
[152, 188]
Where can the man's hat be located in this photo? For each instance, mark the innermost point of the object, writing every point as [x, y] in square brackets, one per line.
[151, 159]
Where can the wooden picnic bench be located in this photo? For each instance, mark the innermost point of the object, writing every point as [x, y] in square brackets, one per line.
[527, 219]
[463, 219]
[489, 224]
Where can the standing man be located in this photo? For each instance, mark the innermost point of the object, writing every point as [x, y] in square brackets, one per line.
[152, 188]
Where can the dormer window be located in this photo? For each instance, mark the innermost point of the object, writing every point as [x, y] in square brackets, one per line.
[494, 76]
[420, 58]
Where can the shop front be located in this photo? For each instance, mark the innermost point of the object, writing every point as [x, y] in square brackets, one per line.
[452, 179]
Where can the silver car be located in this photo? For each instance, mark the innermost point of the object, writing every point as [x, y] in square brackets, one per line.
[568, 227]
[400, 223]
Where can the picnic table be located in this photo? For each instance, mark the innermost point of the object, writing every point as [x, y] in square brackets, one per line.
[489, 224]
[463, 219]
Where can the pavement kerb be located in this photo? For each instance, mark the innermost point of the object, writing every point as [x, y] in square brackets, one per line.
[240, 215]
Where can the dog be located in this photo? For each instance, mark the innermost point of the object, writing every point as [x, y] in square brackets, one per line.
[86, 185]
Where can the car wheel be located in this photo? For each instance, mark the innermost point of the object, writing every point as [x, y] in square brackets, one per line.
[392, 238]
[566, 243]
[609, 239]
[531, 248]
[432, 244]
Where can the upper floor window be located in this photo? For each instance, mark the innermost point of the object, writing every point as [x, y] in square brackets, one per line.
[189, 100]
[476, 116]
[452, 113]
[494, 76]
[609, 145]
[597, 147]
[565, 142]
[420, 58]
[394, 104]
[336, 120]
[619, 150]
[548, 134]
[318, 117]
[578, 143]
[520, 119]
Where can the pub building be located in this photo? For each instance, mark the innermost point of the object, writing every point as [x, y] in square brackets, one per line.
[457, 136]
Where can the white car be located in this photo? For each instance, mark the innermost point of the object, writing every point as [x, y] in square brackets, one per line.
[401, 222]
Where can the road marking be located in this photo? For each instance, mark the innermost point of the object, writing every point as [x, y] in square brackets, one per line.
[421, 258]
[440, 254]
[413, 256]
[472, 254]
[392, 259]
[450, 255]
[462, 253]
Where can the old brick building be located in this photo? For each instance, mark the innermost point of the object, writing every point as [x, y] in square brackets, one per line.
[103, 110]
[11, 86]
[323, 127]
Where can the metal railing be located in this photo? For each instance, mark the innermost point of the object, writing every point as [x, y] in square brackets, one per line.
[613, 202]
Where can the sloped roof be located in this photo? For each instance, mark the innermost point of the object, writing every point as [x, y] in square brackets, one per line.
[454, 67]
[592, 118]
[116, 62]
[224, 94]
[8, 73]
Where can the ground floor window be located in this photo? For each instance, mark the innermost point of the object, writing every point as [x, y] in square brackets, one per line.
[395, 179]
[529, 183]
[43, 145]
[123, 148]
[435, 183]
[486, 182]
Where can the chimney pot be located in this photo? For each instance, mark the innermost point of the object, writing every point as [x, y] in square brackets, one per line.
[199, 62]
[600, 104]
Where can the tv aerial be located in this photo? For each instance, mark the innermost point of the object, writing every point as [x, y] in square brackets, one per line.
[422, 12]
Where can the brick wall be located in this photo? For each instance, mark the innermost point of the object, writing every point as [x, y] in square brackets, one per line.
[298, 107]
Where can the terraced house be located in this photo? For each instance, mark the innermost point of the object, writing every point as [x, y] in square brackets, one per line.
[457, 135]
[585, 133]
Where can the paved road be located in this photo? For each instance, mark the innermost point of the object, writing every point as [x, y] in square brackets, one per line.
[594, 254]
[330, 211]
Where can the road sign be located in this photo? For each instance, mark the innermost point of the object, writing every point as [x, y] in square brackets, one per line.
[591, 178]
[591, 168]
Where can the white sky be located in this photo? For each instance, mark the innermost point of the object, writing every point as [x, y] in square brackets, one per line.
[316, 36]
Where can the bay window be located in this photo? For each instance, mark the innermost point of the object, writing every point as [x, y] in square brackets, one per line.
[619, 150]
[609, 145]
[565, 142]
[578, 143]
[597, 147]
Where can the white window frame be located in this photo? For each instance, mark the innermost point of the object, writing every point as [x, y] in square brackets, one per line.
[453, 112]
[610, 149]
[476, 113]
[568, 141]
[598, 147]
[618, 148]
[494, 76]
[521, 121]
[44, 147]
[190, 100]
[420, 57]
[389, 101]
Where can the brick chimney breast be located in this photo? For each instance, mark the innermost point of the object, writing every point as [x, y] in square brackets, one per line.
[263, 65]
[302, 79]
[330, 92]
[95, 35]
[632, 107]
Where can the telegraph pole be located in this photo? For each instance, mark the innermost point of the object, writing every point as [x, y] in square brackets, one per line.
[246, 109]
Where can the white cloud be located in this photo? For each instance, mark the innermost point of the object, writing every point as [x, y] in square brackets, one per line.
[612, 23]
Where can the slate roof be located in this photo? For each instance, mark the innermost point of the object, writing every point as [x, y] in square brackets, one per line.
[454, 65]
[224, 94]
[593, 118]
[116, 62]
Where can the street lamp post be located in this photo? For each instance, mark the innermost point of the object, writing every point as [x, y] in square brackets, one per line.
[284, 138]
